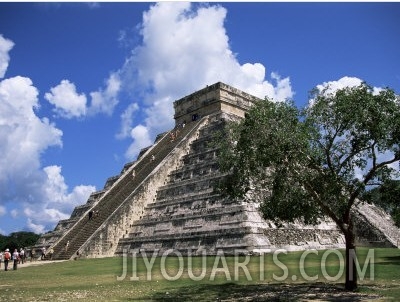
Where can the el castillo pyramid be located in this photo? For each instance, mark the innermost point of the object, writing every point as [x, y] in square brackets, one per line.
[166, 199]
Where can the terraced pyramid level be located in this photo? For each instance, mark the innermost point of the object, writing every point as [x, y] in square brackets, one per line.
[166, 199]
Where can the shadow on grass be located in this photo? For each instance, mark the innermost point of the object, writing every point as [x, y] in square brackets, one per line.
[390, 260]
[261, 292]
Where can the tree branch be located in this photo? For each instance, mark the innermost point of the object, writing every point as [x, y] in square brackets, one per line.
[329, 147]
[370, 175]
[351, 155]
[373, 154]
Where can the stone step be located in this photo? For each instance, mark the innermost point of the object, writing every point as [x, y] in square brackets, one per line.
[188, 235]
[206, 195]
[191, 170]
[195, 184]
[203, 213]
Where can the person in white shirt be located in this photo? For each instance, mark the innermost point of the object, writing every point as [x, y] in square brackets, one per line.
[43, 253]
[16, 259]
[22, 255]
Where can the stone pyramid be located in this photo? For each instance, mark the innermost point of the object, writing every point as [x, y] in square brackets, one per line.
[166, 199]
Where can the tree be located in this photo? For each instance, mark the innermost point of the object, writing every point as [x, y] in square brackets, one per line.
[18, 240]
[306, 164]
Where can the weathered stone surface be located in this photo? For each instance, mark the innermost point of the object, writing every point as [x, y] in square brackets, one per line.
[166, 199]
[375, 227]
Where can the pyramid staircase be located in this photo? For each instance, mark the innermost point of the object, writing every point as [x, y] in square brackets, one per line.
[119, 192]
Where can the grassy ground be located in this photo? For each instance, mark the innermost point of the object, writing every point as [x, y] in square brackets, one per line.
[206, 279]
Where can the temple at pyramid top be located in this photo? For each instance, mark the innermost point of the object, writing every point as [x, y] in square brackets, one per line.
[218, 97]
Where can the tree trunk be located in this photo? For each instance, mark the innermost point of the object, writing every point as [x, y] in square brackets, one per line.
[351, 271]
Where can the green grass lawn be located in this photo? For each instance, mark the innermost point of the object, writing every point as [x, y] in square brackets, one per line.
[203, 279]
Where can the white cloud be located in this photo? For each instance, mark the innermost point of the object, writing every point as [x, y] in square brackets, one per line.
[93, 5]
[57, 190]
[126, 120]
[328, 88]
[56, 202]
[14, 213]
[333, 86]
[68, 103]
[105, 100]
[27, 190]
[23, 136]
[141, 139]
[283, 89]
[3, 211]
[185, 47]
[5, 46]
[36, 228]
[159, 115]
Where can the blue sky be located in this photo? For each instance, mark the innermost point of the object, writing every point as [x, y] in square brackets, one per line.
[83, 87]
